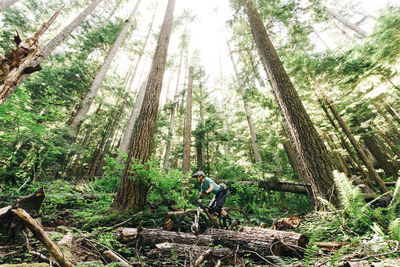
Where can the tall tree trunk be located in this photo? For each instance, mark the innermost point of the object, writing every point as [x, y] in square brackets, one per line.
[171, 130]
[312, 155]
[4, 4]
[142, 50]
[343, 141]
[372, 173]
[340, 163]
[61, 36]
[125, 142]
[84, 142]
[290, 152]
[133, 189]
[188, 125]
[380, 157]
[87, 101]
[346, 23]
[247, 111]
[393, 113]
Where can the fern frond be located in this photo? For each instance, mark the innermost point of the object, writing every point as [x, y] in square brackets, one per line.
[394, 229]
[396, 197]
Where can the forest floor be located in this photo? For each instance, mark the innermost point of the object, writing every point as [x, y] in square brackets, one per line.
[86, 214]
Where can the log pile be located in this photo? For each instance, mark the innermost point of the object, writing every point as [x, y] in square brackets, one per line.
[253, 241]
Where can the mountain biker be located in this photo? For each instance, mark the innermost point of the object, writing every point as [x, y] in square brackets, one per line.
[209, 186]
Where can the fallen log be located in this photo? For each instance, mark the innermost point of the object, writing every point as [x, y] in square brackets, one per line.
[185, 251]
[294, 243]
[230, 239]
[264, 246]
[38, 232]
[282, 186]
[152, 237]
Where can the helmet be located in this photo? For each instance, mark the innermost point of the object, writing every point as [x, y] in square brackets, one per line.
[197, 174]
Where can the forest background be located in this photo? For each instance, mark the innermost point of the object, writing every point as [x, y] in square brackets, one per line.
[85, 122]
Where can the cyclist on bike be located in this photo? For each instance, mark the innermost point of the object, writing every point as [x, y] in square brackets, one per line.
[209, 186]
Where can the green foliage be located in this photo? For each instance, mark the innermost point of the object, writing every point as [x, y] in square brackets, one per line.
[394, 229]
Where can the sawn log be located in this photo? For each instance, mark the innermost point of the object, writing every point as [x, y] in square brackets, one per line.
[265, 245]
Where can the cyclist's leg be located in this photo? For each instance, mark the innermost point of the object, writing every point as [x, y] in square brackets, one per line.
[220, 200]
[212, 205]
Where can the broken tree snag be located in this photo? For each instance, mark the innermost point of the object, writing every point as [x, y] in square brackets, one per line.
[22, 61]
[31, 203]
[184, 251]
[265, 246]
[155, 236]
[294, 243]
[38, 232]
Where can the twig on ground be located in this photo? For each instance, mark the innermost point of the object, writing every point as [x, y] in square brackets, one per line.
[43, 257]
[261, 257]
[124, 222]
[90, 243]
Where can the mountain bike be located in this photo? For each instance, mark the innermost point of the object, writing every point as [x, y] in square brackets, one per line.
[204, 219]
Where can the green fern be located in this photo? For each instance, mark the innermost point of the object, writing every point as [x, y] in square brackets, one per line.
[394, 229]
[312, 251]
[395, 200]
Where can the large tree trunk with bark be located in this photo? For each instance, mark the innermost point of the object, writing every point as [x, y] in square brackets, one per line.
[374, 177]
[188, 125]
[253, 137]
[133, 189]
[4, 4]
[83, 108]
[312, 155]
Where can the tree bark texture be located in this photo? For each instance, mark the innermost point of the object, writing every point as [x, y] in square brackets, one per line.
[133, 189]
[312, 155]
[188, 125]
[83, 108]
[4, 4]
[253, 137]
[372, 173]
[346, 22]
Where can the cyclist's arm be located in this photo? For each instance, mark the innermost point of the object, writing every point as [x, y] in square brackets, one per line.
[210, 189]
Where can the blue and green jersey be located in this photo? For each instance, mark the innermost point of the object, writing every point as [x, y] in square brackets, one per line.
[206, 185]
